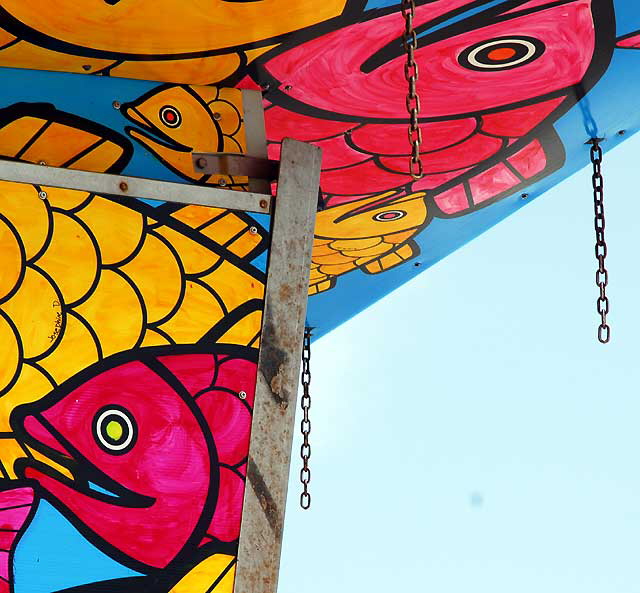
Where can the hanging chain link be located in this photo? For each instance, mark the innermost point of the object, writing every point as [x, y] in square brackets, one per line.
[602, 276]
[305, 425]
[410, 43]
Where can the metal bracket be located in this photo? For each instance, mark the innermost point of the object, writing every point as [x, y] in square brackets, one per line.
[134, 187]
[226, 163]
[279, 362]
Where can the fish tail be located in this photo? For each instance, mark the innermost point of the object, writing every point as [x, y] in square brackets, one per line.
[16, 510]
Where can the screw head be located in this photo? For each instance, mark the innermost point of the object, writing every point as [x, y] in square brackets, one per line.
[217, 116]
[263, 203]
[253, 230]
[524, 196]
[42, 195]
[287, 87]
[86, 67]
[242, 395]
[621, 132]
[42, 163]
[201, 163]
[116, 104]
[123, 186]
[222, 183]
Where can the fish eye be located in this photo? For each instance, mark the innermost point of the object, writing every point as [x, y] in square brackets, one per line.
[115, 430]
[170, 116]
[502, 53]
[388, 215]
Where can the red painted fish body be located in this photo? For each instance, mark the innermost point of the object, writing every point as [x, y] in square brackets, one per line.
[157, 447]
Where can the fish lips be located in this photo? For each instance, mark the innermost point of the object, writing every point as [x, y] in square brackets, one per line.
[41, 436]
[145, 130]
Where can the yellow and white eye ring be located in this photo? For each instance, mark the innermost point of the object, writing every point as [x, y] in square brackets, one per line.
[114, 429]
[501, 53]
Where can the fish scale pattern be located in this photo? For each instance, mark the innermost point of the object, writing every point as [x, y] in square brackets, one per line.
[83, 277]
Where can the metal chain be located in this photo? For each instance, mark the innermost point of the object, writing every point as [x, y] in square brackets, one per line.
[305, 425]
[412, 101]
[602, 276]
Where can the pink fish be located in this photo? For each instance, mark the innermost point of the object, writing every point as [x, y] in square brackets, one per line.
[16, 509]
[157, 447]
[492, 81]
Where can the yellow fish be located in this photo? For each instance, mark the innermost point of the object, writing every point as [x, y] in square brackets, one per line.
[164, 40]
[84, 276]
[174, 121]
[40, 133]
[372, 234]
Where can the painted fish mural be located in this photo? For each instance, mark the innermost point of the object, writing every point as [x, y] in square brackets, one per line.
[122, 352]
[156, 448]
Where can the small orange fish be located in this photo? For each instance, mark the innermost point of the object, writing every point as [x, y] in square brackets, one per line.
[373, 234]
[175, 121]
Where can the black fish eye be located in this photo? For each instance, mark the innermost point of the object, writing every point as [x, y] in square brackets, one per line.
[170, 116]
[115, 430]
[501, 53]
[389, 215]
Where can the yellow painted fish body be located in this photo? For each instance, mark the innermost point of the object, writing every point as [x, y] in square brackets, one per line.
[83, 277]
[372, 234]
[197, 42]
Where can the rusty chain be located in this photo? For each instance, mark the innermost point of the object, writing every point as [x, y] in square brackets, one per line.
[602, 275]
[305, 424]
[412, 101]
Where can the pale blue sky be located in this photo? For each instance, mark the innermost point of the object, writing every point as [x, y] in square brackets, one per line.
[469, 432]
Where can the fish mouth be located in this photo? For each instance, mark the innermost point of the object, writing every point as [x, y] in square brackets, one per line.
[391, 197]
[87, 480]
[146, 133]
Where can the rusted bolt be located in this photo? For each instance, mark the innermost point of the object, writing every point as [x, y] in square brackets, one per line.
[217, 115]
[524, 196]
[263, 203]
[116, 104]
[222, 183]
[253, 230]
[123, 186]
[201, 163]
[42, 195]
[242, 395]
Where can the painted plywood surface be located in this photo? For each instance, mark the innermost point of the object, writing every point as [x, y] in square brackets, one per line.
[97, 292]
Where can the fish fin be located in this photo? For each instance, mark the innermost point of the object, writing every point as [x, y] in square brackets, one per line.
[232, 230]
[525, 164]
[38, 132]
[215, 574]
[390, 260]
[630, 41]
[17, 505]
[322, 286]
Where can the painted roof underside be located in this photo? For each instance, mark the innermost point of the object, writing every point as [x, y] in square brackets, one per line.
[510, 91]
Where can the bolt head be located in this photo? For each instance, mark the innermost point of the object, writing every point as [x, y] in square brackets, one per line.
[263, 203]
[222, 183]
[242, 395]
[42, 163]
[287, 87]
[217, 116]
[42, 195]
[253, 230]
[201, 163]
[524, 196]
[116, 104]
[123, 186]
